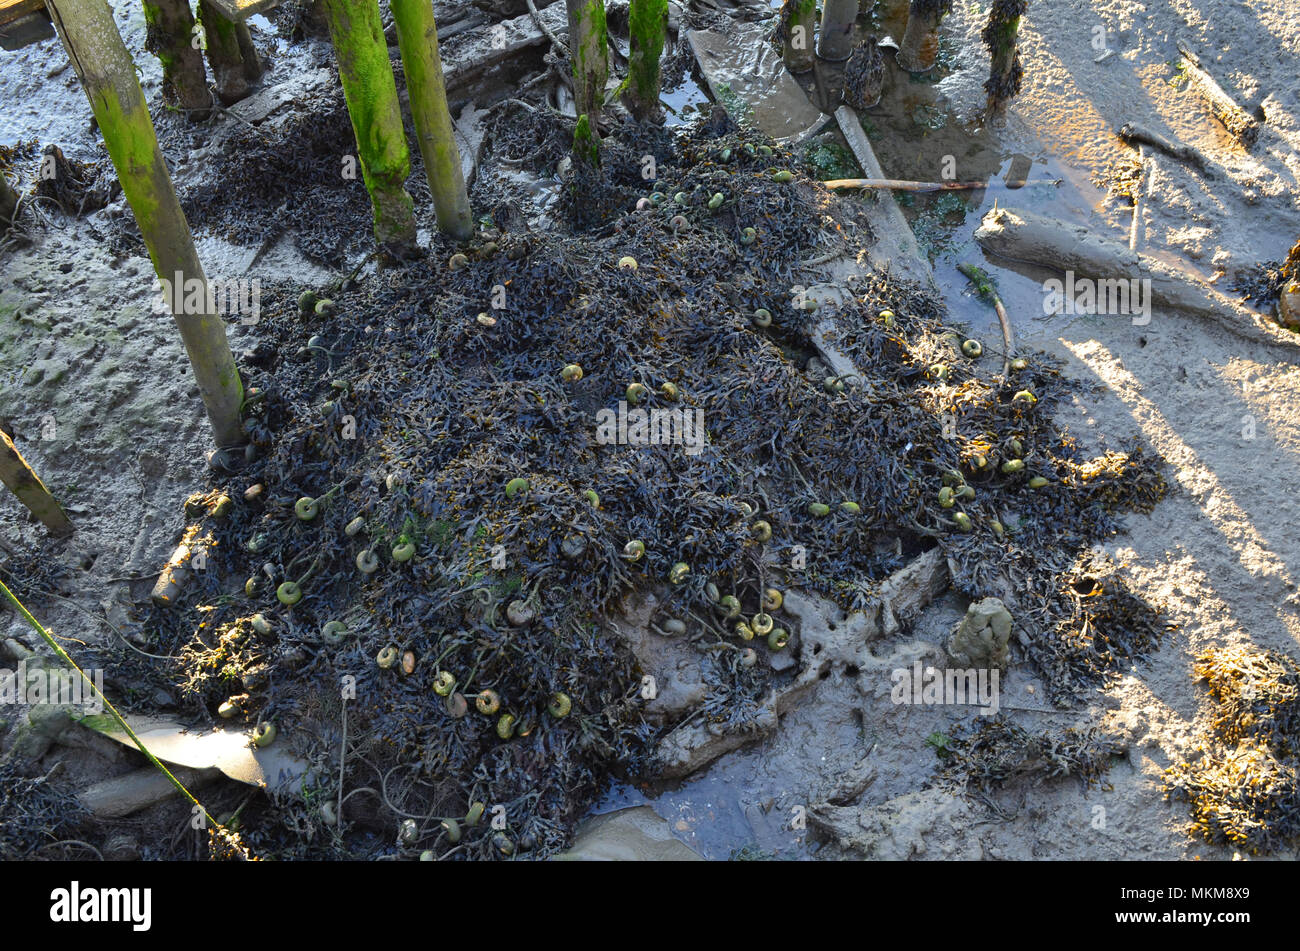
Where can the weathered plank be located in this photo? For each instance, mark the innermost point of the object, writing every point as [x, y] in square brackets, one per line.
[15, 9]
[24, 28]
[236, 10]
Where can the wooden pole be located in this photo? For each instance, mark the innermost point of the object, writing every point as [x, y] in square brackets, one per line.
[647, 26]
[169, 35]
[920, 46]
[107, 74]
[417, 37]
[798, 24]
[371, 93]
[1005, 70]
[224, 54]
[590, 53]
[248, 52]
[835, 41]
[31, 491]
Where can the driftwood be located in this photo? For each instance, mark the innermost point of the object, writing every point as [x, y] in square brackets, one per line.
[1033, 239]
[902, 185]
[1243, 126]
[895, 241]
[826, 640]
[466, 57]
[1143, 176]
[984, 285]
[1135, 134]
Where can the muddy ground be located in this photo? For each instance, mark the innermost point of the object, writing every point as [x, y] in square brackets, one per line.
[97, 393]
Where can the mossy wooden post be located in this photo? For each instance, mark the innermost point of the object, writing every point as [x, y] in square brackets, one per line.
[920, 46]
[417, 36]
[647, 24]
[169, 35]
[590, 53]
[1005, 71]
[107, 74]
[31, 491]
[798, 26]
[248, 52]
[586, 144]
[224, 55]
[371, 93]
[835, 41]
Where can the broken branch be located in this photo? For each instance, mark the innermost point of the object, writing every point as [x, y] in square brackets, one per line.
[1243, 126]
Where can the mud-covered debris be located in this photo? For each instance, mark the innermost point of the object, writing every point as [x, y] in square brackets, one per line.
[997, 752]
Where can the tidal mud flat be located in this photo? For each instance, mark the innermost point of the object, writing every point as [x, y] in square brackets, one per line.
[545, 633]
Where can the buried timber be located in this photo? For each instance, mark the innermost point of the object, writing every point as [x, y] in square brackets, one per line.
[417, 583]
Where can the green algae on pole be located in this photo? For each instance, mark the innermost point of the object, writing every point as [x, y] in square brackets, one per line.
[920, 46]
[798, 22]
[169, 35]
[107, 75]
[1005, 71]
[371, 93]
[417, 36]
[647, 24]
[586, 145]
[224, 54]
[31, 491]
[589, 50]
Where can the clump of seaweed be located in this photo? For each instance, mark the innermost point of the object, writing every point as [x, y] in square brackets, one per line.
[414, 576]
[1120, 177]
[39, 817]
[1244, 790]
[75, 186]
[304, 182]
[31, 574]
[998, 752]
[1258, 696]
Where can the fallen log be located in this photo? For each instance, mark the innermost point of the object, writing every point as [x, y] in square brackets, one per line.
[1243, 126]
[826, 640]
[1033, 239]
[468, 56]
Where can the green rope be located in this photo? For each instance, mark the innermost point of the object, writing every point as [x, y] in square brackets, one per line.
[63, 655]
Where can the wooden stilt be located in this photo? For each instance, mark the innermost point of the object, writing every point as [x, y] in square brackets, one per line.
[371, 93]
[417, 35]
[107, 74]
[31, 491]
